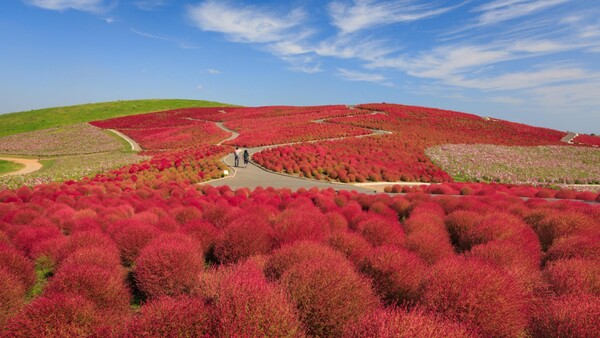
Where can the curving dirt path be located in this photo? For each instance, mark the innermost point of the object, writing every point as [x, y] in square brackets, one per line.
[134, 145]
[31, 165]
[569, 137]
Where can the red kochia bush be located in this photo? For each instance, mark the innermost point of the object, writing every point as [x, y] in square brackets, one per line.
[169, 266]
[568, 316]
[16, 264]
[12, 293]
[28, 237]
[379, 230]
[287, 256]
[247, 235]
[575, 275]
[396, 323]
[351, 244]
[56, 315]
[182, 316]
[459, 223]
[296, 224]
[248, 306]
[577, 246]
[104, 287]
[475, 292]
[396, 273]
[553, 224]
[132, 238]
[105, 258]
[329, 295]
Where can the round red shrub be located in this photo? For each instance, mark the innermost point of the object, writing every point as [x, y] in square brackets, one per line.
[431, 245]
[553, 224]
[397, 323]
[248, 306]
[104, 287]
[574, 275]
[16, 264]
[287, 256]
[575, 315]
[379, 230]
[56, 315]
[87, 239]
[186, 214]
[12, 293]
[202, 232]
[459, 224]
[168, 266]
[328, 294]
[249, 234]
[396, 273]
[181, 316]
[25, 239]
[352, 245]
[105, 258]
[576, 246]
[297, 224]
[473, 291]
[132, 238]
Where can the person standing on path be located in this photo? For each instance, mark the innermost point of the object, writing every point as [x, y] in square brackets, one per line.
[236, 157]
[246, 158]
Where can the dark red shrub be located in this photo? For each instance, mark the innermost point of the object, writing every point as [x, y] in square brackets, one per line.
[16, 264]
[248, 234]
[397, 323]
[459, 224]
[284, 258]
[169, 266]
[552, 224]
[473, 291]
[576, 246]
[202, 232]
[182, 316]
[56, 315]
[328, 294]
[104, 287]
[25, 239]
[105, 258]
[379, 230]
[248, 306]
[396, 273]
[87, 239]
[297, 224]
[431, 245]
[186, 214]
[132, 238]
[574, 275]
[567, 316]
[12, 293]
[351, 244]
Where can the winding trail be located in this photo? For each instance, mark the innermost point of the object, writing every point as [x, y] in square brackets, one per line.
[30, 164]
[254, 175]
[569, 137]
[134, 145]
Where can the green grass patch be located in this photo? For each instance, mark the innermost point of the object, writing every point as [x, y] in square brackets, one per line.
[126, 146]
[44, 268]
[32, 120]
[8, 166]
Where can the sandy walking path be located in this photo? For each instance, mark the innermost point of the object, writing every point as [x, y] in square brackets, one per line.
[30, 164]
[134, 145]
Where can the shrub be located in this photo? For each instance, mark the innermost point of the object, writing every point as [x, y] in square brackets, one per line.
[249, 234]
[379, 230]
[87, 239]
[247, 305]
[554, 224]
[168, 266]
[475, 292]
[12, 293]
[576, 246]
[186, 214]
[181, 316]
[397, 323]
[284, 258]
[56, 315]
[396, 273]
[296, 224]
[16, 264]
[132, 238]
[574, 275]
[105, 288]
[329, 295]
[459, 224]
[104, 258]
[351, 244]
[568, 316]
[25, 239]
[202, 232]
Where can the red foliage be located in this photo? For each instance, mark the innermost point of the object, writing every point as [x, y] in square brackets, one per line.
[590, 140]
[54, 315]
[182, 316]
[574, 275]
[12, 292]
[248, 306]
[17, 265]
[459, 224]
[396, 273]
[568, 316]
[169, 266]
[328, 294]
[397, 323]
[132, 238]
[553, 224]
[351, 244]
[287, 256]
[296, 224]
[379, 230]
[27, 238]
[475, 292]
[576, 246]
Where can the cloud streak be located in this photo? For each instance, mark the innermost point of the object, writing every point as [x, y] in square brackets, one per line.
[90, 6]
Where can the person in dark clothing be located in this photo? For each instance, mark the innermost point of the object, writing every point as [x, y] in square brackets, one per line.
[236, 157]
[246, 158]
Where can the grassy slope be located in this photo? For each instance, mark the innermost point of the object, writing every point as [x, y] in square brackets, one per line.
[7, 166]
[15, 123]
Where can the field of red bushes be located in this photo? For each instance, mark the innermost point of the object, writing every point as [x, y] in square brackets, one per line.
[115, 259]
[144, 250]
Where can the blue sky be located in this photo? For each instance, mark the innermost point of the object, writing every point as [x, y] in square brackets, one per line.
[531, 61]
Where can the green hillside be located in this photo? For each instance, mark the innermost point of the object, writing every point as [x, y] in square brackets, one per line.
[15, 123]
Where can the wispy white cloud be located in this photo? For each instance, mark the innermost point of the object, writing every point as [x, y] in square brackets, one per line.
[508, 100]
[250, 24]
[346, 47]
[503, 10]
[90, 6]
[303, 63]
[213, 71]
[179, 42]
[200, 87]
[351, 75]
[584, 94]
[365, 14]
